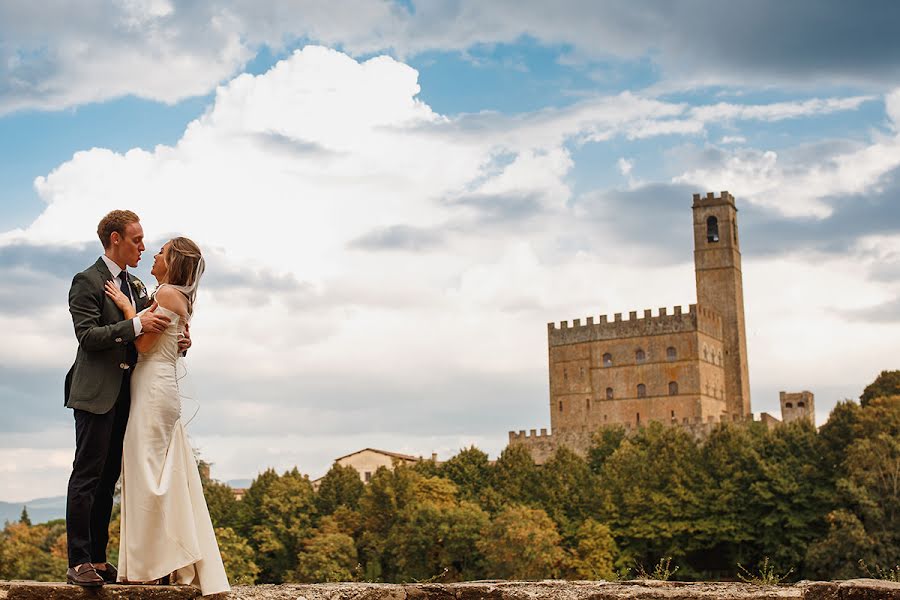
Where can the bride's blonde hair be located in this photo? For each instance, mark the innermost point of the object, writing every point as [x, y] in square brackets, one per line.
[184, 266]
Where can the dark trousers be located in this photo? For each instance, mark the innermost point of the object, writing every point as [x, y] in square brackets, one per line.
[95, 471]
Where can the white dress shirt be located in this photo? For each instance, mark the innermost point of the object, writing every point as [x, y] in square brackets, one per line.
[115, 270]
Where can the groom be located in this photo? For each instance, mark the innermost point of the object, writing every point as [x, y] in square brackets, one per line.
[98, 388]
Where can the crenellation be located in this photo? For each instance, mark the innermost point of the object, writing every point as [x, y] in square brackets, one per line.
[591, 329]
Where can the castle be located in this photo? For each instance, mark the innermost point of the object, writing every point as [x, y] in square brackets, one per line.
[680, 367]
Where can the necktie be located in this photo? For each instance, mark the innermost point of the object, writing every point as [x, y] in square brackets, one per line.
[123, 285]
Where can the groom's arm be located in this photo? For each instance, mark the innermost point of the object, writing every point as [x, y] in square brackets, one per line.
[86, 307]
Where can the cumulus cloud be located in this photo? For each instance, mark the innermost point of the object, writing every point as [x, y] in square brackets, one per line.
[375, 265]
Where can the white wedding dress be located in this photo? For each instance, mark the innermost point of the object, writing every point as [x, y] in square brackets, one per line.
[165, 526]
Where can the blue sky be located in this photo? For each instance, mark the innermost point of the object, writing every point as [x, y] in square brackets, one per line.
[396, 198]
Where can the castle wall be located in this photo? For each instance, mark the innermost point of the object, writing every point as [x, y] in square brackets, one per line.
[586, 360]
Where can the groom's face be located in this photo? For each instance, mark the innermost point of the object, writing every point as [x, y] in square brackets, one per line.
[130, 244]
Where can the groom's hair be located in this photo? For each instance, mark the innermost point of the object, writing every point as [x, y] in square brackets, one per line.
[116, 220]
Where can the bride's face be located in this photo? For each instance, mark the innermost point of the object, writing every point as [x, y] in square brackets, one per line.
[160, 269]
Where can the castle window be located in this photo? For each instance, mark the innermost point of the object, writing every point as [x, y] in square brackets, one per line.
[674, 420]
[712, 230]
[607, 360]
[560, 406]
[368, 476]
[587, 404]
[801, 404]
[638, 419]
[640, 356]
[566, 374]
[642, 390]
[788, 405]
[673, 388]
[719, 356]
[671, 353]
[609, 393]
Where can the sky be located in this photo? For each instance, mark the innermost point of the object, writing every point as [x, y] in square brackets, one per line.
[395, 198]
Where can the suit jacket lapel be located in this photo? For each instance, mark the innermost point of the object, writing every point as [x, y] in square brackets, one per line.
[100, 265]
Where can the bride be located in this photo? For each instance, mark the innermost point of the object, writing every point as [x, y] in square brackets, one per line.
[166, 531]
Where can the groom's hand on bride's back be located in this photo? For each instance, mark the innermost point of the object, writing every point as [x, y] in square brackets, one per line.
[152, 322]
[184, 340]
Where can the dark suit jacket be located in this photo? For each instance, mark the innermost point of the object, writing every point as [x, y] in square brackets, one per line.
[104, 336]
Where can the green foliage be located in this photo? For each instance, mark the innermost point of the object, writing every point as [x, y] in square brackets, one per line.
[470, 471]
[36, 552]
[23, 519]
[522, 543]
[515, 477]
[764, 575]
[238, 557]
[595, 553]
[827, 502]
[341, 486]
[886, 384]
[223, 508]
[328, 555]
[603, 443]
[282, 519]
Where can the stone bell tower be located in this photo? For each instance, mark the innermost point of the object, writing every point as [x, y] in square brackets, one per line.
[717, 263]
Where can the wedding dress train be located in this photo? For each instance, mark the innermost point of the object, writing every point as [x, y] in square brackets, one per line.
[165, 523]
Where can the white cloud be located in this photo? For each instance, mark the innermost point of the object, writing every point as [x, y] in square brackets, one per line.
[624, 165]
[311, 334]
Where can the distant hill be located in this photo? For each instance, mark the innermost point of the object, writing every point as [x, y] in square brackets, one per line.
[40, 510]
[239, 483]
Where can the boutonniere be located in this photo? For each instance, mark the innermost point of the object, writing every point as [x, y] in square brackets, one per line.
[139, 288]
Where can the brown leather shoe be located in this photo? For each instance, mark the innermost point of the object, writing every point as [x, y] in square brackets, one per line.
[109, 573]
[84, 575]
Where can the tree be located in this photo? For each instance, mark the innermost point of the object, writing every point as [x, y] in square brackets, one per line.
[328, 555]
[521, 543]
[653, 494]
[238, 557]
[603, 443]
[282, 520]
[470, 471]
[223, 507]
[835, 556]
[23, 519]
[341, 486]
[437, 539]
[567, 490]
[33, 552]
[595, 553]
[514, 476]
[886, 384]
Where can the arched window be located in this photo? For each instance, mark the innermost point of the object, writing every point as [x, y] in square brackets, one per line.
[671, 353]
[560, 406]
[640, 356]
[801, 404]
[673, 388]
[788, 405]
[609, 393]
[712, 230]
[642, 390]
[607, 360]
[587, 404]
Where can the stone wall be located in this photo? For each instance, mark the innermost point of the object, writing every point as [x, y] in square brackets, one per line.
[856, 589]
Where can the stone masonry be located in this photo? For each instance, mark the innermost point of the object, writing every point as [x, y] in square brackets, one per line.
[677, 367]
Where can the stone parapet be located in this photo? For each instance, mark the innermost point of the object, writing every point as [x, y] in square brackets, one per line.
[663, 322]
[855, 589]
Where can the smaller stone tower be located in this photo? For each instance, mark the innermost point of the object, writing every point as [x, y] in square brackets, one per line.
[798, 406]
